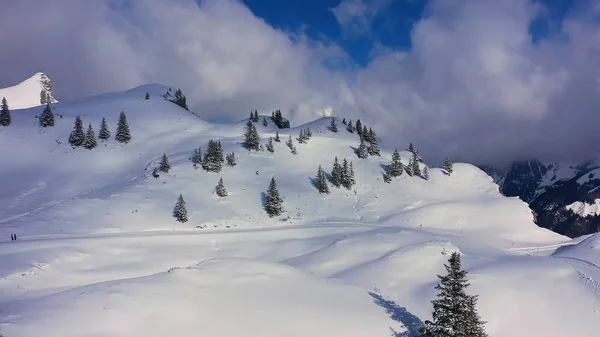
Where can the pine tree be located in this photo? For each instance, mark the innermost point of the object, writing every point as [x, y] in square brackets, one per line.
[302, 137]
[347, 174]
[252, 140]
[359, 128]
[344, 121]
[415, 162]
[411, 148]
[221, 190]
[448, 166]
[308, 133]
[77, 136]
[180, 211]
[365, 134]
[164, 165]
[350, 127]
[104, 133]
[123, 135]
[425, 173]
[290, 144]
[255, 118]
[147, 96]
[386, 177]
[231, 159]
[46, 118]
[454, 312]
[273, 201]
[90, 138]
[179, 99]
[333, 127]
[5, 118]
[362, 151]
[251, 116]
[395, 169]
[277, 139]
[410, 167]
[371, 137]
[264, 122]
[155, 173]
[321, 181]
[196, 157]
[351, 178]
[336, 173]
[213, 158]
[270, 146]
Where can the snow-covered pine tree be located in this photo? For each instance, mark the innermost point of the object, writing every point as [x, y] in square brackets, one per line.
[46, 118]
[90, 138]
[425, 173]
[374, 147]
[164, 165]
[5, 118]
[321, 181]
[347, 174]
[395, 169]
[333, 127]
[277, 139]
[386, 177]
[359, 127]
[415, 162]
[213, 158]
[371, 136]
[362, 151]
[336, 173]
[365, 134]
[123, 135]
[255, 119]
[220, 189]
[270, 146]
[290, 144]
[302, 137]
[410, 167]
[231, 159]
[155, 173]
[104, 133]
[264, 122]
[454, 312]
[180, 211]
[77, 136]
[351, 178]
[448, 166]
[273, 201]
[350, 127]
[308, 133]
[251, 138]
[411, 148]
[344, 121]
[147, 96]
[180, 99]
[251, 116]
[196, 157]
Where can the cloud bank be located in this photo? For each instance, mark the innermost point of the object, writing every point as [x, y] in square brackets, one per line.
[474, 86]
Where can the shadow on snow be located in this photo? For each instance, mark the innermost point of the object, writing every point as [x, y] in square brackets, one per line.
[399, 314]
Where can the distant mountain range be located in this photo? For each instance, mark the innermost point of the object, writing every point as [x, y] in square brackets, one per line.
[564, 198]
[34, 91]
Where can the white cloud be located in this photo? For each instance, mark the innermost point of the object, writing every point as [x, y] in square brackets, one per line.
[356, 16]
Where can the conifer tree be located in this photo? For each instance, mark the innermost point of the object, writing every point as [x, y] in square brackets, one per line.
[220, 189]
[374, 147]
[344, 121]
[410, 168]
[196, 157]
[270, 146]
[231, 159]
[371, 136]
[273, 201]
[302, 137]
[448, 166]
[46, 118]
[411, 148]
[164, 165]
[415, 162]
[77, 136]
[290, 144]
[252, 140]
[90, 138]
[255, 119]
[179, 99]
[359, 127]
[425, 173]
[5, 118]
[213, 158]
[155, 173]
[277, 139]
[180, 211]
[347, 174]
[386, 177]
[251, 116]
[362, 151]
[333, 127]
[365, 134]
[454, 312]
[336, 173]
[321, 181]
[308, 133]
[123, 135]
[395, 169]
[104, 133]
[264, 122]
[350, 127]
[147, 96]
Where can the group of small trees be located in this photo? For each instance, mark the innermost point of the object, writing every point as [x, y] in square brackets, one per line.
[342, 175]
[87, 139]
[290, 144]
[46, 118]
[178, 99]
[5, 118]
[213, 158]
[304, 136]
[278, 119]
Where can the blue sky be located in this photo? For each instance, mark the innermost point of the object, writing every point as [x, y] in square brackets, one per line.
[390, 27]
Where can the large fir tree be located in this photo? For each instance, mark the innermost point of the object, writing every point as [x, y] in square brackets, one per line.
[180, 211]
[231, 159]
[371, 137]
[273, 201]
[336, 173]
[46, 118]
[164, 165]
[362, 152]
[270, 146]
[5, 118]
[196, 157]
[123, 135]
[77, 136]
[454, 312]
[104, 133]
[90, 138]
[415, 163]
[252, 140]
[321, 181]
[347, 171]
[359, 128]
[395, 169]
[220, 189]
[213, 158]
[333, 127]
[350, 127]
[448, 166]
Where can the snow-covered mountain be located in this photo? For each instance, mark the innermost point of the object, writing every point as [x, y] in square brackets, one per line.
[34, 91]
[563, 196]
[100, 254]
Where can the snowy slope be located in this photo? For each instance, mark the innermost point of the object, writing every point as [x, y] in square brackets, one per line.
[99, 253]
[29, 93]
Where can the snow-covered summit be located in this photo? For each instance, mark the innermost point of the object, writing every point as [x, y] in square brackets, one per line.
[34, 91]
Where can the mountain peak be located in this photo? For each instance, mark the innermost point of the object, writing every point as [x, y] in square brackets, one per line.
[35, 90]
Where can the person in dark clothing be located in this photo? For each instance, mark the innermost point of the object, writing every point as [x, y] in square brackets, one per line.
[12, 238]
[15, 237]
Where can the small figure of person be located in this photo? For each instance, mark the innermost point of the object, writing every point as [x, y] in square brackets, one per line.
[15, 237]
[12, 238]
